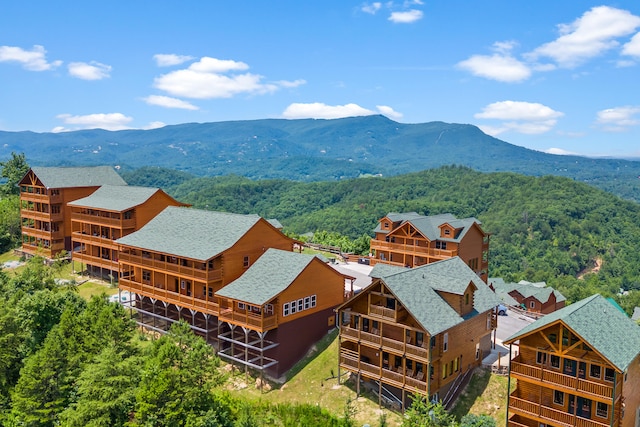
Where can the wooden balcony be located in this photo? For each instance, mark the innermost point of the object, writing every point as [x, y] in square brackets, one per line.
[250, 320]
[548, 415]
[100, 241]
[40, 198]
[95, 261]
[196, 303]
[45, 251]
[41, 216]
[386, 344]
[413, 250]
[103, 220]
[42, 234]
[551, 378]
[350, 361]
[383, 312]
[165, 266]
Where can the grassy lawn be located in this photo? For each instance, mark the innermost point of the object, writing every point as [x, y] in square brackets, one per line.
[486, 393]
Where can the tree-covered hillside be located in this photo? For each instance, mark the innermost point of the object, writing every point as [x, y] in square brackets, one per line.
[547, 228]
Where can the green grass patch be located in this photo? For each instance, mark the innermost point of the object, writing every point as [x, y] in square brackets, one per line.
[90, 288]
[486, 394]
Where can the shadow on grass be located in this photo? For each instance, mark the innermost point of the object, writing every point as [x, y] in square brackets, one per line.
[319, 347]
[476, 387]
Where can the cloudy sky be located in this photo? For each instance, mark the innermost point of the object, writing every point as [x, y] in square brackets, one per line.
[560, 77]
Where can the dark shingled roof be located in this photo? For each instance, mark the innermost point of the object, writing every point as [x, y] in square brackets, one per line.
[416, 289]
[429, 226]
[191, 233]
[601, 325]
[65, 177]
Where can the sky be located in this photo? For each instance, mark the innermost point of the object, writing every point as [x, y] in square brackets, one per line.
[561, 77]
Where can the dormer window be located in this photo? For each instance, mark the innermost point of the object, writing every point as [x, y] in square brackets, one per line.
[386, 225]
[447, 232]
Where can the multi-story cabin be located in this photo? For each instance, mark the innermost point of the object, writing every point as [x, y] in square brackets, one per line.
[44, 193]
[578, 366]
[111, 212]
[182, 257]
[416, 330]
[412, 240]
[532, 297]
[277, 310]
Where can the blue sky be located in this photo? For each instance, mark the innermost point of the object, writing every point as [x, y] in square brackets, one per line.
[554, 76]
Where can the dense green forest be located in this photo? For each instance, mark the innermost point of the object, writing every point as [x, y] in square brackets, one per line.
[577, 238]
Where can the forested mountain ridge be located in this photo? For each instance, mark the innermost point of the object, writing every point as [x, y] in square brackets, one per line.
[547, 228]
[313, 150]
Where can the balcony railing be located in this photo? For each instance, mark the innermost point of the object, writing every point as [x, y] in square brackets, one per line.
[42, 216]
[94, 240]
[42, 234]
[548, 376]
[187, 301]
[103, 220]
[41, 198]
[96, 261]
[549, 415]
[168, 266]
[388, 344]
[384, 312]
[253, 321]
[412, 249]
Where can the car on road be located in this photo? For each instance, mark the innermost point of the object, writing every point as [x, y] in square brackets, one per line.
[501, 309]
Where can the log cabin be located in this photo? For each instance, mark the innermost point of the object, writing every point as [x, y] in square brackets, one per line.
[277, 310]
[107, 214]
[416, 331]
[44, 194]
[537, 298]
[412, 240]
[178, 261]
[578, 366]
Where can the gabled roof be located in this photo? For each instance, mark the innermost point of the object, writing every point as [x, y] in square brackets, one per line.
[116, 197]
[539, 291]
[65, 177]
[380, 270]
[270, 275]
[601, 325]
[417, 290]
[191, 233]
[429, 226]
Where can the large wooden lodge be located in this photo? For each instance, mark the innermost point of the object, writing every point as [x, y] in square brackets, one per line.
[411, 240]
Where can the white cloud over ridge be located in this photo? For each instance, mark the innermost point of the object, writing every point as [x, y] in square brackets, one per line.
[32, 60]
[108, 121]
[406, 17]
[169, 59]
[518, 116]
[89, 71]
[319, 110]
[211, 78]
[169, 102]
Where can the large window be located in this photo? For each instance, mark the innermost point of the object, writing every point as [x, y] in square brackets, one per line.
[595, 371]
[299, 305]
[609, 374]
[558, 397]
[602, 410]
[541, 358]
[555, 361]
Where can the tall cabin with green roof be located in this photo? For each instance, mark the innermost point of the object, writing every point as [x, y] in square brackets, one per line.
[411, 240]
[44, 194]
[111, 212]
[416, 331]
[578, 366]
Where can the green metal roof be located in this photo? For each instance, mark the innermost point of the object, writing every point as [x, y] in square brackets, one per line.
[191, 233]
[601, 325]
[116, 197]
[416, 289]
[270, 275]
[429, 226]
[539, 291]
[65, 177]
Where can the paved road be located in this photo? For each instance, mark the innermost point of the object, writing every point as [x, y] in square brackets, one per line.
[510, 324]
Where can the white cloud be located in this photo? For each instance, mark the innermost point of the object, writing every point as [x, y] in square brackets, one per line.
[559, 152]
[371, 8]
[169, 102]
[594, 33]
[32, 60]
[632, 48]
[169, 59]
[389, 112]
[214, 78]
[318, 110]
[518, 116]
[406, 17]
[500, 67]
[89, 71]
[155, 125]
[618, 119]
[110, 121]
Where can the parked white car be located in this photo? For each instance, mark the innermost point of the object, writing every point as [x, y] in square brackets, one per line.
[501, 309]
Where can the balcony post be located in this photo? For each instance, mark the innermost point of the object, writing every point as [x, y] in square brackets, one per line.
[508, 385]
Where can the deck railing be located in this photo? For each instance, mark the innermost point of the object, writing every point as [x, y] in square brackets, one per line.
[412, 249]
[254, 321]
[187, 301]
[150, 262]
[550, 415]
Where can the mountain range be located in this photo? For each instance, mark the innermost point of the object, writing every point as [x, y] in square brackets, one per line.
[313, 150]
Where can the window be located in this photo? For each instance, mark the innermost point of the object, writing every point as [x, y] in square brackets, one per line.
[569, 367]
[594, 371]
[477, 351]
[241, 306]
[558, 397]
[456, 364]
[466, 299]
[307, 303]
[313, 300]
[532, 304]
[386, 225]
[285, 309]
[268, 309]
[445, 342]
[293, 306]
[609, 374]
[146, 275]
[541, 358]
[444, 371]
[210, 292]
[447, 232]
[555, 361]
[553, 338]
[441, 245]
[602, 409]
[245, 261]
[473, 264]
[300, 304]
